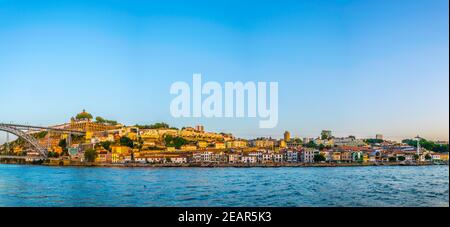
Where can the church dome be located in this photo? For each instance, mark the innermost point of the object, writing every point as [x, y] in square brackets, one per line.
[84, 116]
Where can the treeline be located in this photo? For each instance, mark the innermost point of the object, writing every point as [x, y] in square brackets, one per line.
[427, 144]
[160, 125]
[105, 121]
[373, 141]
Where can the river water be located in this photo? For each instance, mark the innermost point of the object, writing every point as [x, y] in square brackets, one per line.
[24, 185]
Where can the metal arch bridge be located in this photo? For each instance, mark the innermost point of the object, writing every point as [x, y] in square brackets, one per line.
[23, 131]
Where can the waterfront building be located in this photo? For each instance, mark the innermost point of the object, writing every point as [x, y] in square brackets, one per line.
[267, 158]
[33, 156]
[179, 159]
[326, 154]
[206, 156]
[104, 156]
[249, 159]
[346, 156]
[444, 156]
[291, 156]
[357, 156]
[278, 157]
[375, 156]
[365, 157]
[336, 156]
[234, 158]
[307, 155]
[142, 160]
[76, 154]
[258, 155]
[155, 159]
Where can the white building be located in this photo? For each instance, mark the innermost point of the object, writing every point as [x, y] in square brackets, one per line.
[234, 158]
[278, 157]
[291, 156]
[249, 159]
[307, 155]
[178, 160]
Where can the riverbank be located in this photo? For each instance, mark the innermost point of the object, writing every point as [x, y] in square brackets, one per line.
[211, 165]
[235, 165]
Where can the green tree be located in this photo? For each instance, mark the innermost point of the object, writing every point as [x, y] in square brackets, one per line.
[63, 143]
[428, 157]
[153, 126]
[106, 145]
[392, 159]
[319, 158]
[100, 120]
[52, 154]
[373, 141]
[401, 158]
[90, 155]
[311, 144]
[321, 147]
[125, 141]
[429, 145]
[83, 115]
[176, 142]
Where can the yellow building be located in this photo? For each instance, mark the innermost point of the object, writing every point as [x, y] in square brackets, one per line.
[188, 148]
[170, 148]
[264, 143]
[120, 150]
[219, 145]
[336, 156]
[365, 157]
[282, 144]
[236, 144]
[17, 149]
[83, 122]
[202, 144]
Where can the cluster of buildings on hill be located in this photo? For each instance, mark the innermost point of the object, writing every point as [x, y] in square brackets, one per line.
[116, 143]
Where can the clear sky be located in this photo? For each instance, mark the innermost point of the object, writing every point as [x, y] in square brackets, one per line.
[354, 67]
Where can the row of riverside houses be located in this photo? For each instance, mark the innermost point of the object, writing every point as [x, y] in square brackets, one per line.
[341, 154]
[310, 155]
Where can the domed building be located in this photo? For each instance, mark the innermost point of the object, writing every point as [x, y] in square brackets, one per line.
[83, 122]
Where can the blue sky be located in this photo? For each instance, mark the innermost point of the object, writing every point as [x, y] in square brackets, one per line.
[354, 67]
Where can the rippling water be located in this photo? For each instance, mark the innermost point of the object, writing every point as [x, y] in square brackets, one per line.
[345, 186]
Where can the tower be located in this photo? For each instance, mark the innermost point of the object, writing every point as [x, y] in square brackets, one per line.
[287, 136]
[418, 145]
